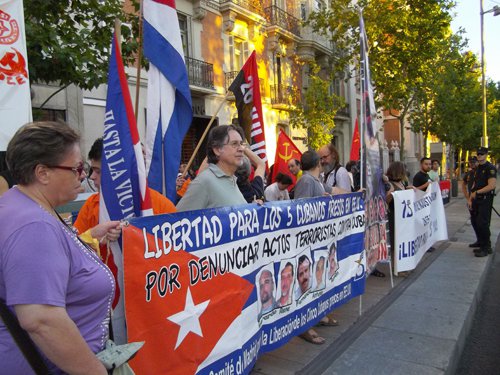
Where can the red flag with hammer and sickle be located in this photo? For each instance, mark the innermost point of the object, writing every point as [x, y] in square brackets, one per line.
[285, 151]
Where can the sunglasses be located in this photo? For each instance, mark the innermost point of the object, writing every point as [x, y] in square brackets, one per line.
[79, 170]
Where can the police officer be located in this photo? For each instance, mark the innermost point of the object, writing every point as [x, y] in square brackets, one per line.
[468, 182]
[482, 193]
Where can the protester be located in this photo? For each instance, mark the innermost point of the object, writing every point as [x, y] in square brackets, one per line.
[286, 284]
[295, 168]
[57, 287]
[481, 196]
[266, 293]
[421, 180]
[397, 181]
[216, 186]
[309, 185]
[434, 172]
[88, 217]
[278, 191]
[333, 174]
[253, 190]
[6, 181]
[467, 183]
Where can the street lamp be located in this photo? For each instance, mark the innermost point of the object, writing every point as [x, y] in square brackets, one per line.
[496, 12]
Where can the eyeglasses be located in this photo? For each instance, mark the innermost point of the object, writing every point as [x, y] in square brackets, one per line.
[235, 144]
[79, 170]
[324, 157]
[480, 154]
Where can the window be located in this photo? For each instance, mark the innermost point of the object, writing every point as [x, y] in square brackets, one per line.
[184, 28]
[280, 4]
[319, 5]
[303, 12]
[238, 52]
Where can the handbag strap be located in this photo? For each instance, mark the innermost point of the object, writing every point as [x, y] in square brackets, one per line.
[23, 341]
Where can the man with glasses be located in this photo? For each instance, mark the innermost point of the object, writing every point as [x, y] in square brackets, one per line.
[334, 176]
[216, 186]
[481, 197]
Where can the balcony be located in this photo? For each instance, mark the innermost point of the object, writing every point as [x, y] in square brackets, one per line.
[200, 73]
[285, 22]
[255, 6]
[344, 112]
[229, 77]
[283, 96]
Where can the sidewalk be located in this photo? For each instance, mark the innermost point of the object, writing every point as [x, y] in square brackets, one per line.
[417, 327]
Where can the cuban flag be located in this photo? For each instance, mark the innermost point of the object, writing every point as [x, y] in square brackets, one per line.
[124, 191]
[169, 109]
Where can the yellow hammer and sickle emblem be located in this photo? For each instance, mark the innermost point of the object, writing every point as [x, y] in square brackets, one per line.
[287, 155]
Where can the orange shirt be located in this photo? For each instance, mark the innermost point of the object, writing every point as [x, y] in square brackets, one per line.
[88, 217]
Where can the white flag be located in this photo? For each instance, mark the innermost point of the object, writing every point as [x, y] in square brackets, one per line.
[15, 98]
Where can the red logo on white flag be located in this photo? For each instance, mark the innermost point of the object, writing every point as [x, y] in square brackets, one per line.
[9, 29]
[13, 67]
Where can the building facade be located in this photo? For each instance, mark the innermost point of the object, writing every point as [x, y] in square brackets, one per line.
[218, 36]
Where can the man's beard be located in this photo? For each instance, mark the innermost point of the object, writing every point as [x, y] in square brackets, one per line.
[327, 168]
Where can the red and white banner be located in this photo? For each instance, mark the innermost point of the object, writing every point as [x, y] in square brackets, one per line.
[15, 99]
[246, 90]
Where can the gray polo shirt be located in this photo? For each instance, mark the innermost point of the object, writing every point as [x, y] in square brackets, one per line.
[308, 187]
[210, 189]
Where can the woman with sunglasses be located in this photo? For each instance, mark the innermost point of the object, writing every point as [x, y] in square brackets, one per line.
[57, 287]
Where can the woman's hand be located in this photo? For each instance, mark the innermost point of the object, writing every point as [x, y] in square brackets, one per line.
[109, 231]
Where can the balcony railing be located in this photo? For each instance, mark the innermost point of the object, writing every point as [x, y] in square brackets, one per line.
[200, 73]
[230, 77]
[278, 17]
[251, 5]
[283, 95]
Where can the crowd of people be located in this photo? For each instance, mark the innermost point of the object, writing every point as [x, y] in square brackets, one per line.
[59, 281]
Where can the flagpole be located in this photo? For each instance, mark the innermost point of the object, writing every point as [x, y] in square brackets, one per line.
[139, 58]
[204, 135]
[362, 114]
[118, 33]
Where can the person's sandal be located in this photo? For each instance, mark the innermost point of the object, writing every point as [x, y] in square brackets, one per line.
[312, 337]
[328, 322]
[377, 273]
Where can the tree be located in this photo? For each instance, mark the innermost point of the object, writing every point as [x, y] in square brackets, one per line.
[317, 111]
[493, 94]
[448, 105]
[69, 42]
[404, 37]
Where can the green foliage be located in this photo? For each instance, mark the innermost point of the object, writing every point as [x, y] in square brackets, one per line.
[448, 105]
[317, 111]
[493, 95]
[404, 36]
[69, 41]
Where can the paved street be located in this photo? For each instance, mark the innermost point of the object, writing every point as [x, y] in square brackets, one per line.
[418, 327]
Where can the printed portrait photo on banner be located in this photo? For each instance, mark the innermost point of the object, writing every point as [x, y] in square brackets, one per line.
[266, 291]
[333, 265]
[320, 258]
[286, 281]
[304, 279]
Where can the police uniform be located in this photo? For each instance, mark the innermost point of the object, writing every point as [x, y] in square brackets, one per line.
[482, 204]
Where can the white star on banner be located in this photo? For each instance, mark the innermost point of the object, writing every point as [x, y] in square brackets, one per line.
[189, 319]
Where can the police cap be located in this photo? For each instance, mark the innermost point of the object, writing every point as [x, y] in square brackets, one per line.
[482, 150]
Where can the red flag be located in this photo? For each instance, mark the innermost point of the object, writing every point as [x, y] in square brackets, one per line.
[194, 315]
[355, 145]
[246, 89]
[285, 150]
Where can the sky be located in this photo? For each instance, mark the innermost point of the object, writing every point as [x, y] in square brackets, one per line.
[468, 17]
